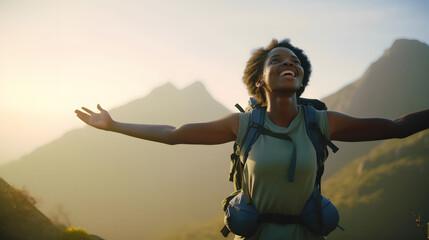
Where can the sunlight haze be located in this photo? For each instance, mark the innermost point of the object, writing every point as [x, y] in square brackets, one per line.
[56, 56]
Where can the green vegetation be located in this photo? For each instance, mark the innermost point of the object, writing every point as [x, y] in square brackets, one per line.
[376, 194]
[74, 233]
[20, 219]
[421, 225]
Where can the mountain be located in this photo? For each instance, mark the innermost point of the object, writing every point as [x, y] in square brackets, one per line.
[122, 187]
[20, 219]
[394, 85]
[377, 194]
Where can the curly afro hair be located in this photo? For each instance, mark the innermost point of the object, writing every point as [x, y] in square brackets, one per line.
[255, 68]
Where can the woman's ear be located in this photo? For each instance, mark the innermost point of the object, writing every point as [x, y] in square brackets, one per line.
[260, 83]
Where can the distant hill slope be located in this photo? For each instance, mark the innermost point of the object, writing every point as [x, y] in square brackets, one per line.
[20, 219]
[207, 230]
[125, 188]
[394, 85]
[376, 194]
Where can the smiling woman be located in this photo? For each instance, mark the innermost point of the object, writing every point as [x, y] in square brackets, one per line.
[282, 71]
[282, 142]
[263, 59]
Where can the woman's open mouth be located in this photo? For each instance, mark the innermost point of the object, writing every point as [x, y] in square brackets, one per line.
[287, 72]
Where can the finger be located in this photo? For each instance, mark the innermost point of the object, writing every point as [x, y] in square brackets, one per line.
[79, 112]
[87, 110]
[82, 116]
[99, 107]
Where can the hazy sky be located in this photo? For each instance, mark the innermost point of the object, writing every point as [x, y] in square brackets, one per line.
[56, 56]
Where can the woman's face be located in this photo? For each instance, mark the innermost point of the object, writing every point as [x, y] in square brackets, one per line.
[282, 71]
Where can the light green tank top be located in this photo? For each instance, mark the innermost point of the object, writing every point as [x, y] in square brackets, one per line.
[266, 174]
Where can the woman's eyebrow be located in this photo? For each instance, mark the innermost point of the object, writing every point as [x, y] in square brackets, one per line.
[271, 57]
[275, 55]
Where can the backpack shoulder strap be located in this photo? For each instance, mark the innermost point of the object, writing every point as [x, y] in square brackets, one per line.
[310, 118]
[317, 104]
[316, 136]
[254, 129]
[319, 142]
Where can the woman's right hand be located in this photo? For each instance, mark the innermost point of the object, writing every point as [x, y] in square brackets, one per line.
[100, 120]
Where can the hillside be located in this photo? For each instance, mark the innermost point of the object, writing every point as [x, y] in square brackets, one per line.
[394, 85]
[376, 194]
[119, 186]
[208, 230]
[20, 219]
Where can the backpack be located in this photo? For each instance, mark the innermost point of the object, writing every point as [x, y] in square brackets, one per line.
[240, 194]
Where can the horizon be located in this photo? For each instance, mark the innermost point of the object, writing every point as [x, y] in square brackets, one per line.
[58, 58]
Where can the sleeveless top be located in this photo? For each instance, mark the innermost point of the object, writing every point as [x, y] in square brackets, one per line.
[266, 174]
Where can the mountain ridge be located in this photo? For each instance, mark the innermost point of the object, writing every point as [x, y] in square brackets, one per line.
[387, 183]
[385, 90]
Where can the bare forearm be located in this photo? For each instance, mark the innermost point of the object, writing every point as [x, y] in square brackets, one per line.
[350, 129]
[216, 132]
[157, 133]
[413, 123]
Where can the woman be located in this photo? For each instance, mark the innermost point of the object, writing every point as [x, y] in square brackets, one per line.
[275, 76]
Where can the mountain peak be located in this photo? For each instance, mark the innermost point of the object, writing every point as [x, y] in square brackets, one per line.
[181, 103]
[406, 46]
[168, 87]
[394, 85]
[195, 86]
[401, 43]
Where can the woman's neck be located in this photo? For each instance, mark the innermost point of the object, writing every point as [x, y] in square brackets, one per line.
[282, 109]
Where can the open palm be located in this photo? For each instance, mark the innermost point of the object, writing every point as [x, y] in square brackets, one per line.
[100, 120]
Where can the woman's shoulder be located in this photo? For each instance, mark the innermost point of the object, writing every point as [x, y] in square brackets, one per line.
[322, 119]
[243, 124]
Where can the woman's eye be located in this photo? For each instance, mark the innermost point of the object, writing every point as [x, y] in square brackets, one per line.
[274, 61]
[296, 62]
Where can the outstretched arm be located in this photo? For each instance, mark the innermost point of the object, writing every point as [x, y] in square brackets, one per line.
[216, 132]
[350, 129]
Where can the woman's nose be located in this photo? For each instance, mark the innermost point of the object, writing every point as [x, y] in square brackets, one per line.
[287, 62]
